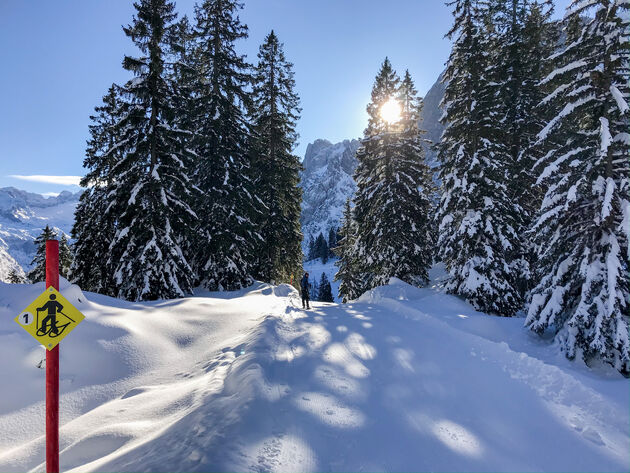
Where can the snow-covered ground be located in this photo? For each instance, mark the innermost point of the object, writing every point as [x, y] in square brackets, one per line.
[403, 379]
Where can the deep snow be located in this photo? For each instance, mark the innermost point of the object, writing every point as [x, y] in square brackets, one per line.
[404, 379]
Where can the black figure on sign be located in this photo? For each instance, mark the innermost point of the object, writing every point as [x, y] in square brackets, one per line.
[53, 308]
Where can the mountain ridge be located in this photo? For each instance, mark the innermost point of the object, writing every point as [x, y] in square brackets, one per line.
[23, 216]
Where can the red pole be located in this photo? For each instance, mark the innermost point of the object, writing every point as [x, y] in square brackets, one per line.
[52, 370]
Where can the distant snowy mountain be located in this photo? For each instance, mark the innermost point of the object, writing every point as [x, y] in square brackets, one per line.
[430, 119]
[327, 183]
[23, 215]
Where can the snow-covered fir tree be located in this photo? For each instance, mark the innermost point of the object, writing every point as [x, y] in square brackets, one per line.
[392, 203]
[409, 248]
[38, 273]
[476, 215]
[227, 239]
[275, 168]
[332, 241]
[150, 185]
[311, 248]
[185, 80]
[324, 290]
[184, 74]
[320, 249]
[65, 256]
[525, 35]
[582, 230]
[16, 276]
[367, 173]
[95, 217]
[351, 281]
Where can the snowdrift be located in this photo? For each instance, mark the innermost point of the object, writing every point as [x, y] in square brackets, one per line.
[404, 379]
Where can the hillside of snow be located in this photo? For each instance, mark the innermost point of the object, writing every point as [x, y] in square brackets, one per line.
[403, 379]
[23, 216]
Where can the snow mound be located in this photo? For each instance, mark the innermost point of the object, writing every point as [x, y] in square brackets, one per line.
[396, 289]
[285, 290]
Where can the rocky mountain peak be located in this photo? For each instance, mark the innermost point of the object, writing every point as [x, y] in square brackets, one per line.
[327, 182]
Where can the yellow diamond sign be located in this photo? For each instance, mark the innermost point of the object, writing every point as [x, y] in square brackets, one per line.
[49, 318]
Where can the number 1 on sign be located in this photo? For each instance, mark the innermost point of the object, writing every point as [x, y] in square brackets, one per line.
[26, 318]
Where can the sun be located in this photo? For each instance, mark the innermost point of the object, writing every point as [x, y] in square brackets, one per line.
[390, 111]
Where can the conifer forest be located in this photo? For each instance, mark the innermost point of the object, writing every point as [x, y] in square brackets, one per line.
[191, 178]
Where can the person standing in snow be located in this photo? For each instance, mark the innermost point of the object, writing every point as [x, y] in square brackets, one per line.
[304, 285]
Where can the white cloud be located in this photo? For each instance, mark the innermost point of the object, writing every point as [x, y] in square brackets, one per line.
[50, 194]
[61, 180]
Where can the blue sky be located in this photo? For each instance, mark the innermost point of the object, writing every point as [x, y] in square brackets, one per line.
[60, 57]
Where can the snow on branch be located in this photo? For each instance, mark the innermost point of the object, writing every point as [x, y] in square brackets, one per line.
[621, 102]
[553, 167]
[562, 70]
[580, 6]
[568, 109]
[604, 133]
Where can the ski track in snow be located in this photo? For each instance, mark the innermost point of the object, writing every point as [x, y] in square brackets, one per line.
[403, 379]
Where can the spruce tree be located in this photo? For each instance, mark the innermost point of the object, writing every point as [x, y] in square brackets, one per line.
[392, 203]
[351, 281]
[38, 273]
[16, 276]
[477, 236]
[407, 209]
[274, 113]
[525, 35]
[65, 256]
[367, 173]
[332, 241]
[324, 290]
[581, 232]
[311, 249]
[185, 80]
[184, 75]
[321, 248]
[96, 215]
[313, 289]
[150, 186]
[226, 242]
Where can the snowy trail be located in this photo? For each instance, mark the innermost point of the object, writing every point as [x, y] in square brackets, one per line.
[404, 379]
[368, 395]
